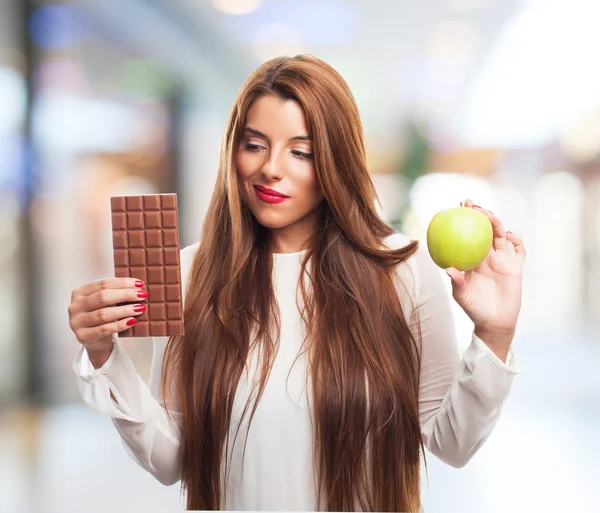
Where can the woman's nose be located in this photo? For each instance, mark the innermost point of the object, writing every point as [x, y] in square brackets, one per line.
[273, 167]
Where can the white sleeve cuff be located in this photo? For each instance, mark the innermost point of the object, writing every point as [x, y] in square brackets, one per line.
[119, 376]
[511, 361]
[83, 366]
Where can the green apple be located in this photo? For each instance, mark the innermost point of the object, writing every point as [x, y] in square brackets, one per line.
[459, 237]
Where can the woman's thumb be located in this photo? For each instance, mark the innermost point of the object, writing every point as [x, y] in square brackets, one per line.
[458, 280]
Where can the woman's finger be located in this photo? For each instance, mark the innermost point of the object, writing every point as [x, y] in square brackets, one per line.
[499, 233]
[517, 242]
[458, 281]
[89, 336]
[105, 284]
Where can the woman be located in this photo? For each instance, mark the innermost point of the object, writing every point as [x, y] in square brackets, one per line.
[319, 356]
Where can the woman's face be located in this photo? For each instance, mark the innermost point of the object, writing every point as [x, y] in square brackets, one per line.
[275, 156]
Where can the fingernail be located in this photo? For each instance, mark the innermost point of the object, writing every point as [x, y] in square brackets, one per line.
[142, 293]
[131, 322]
[508, 231]
[139, 308]
[476, 206]
[139, 284]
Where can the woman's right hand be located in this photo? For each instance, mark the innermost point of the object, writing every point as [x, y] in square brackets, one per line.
[96, 313]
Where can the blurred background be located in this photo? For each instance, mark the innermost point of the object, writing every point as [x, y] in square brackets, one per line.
[493, 100]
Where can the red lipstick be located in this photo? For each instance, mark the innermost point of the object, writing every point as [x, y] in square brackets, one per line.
[269, 195]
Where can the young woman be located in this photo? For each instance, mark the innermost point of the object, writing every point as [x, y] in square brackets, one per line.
[319, 355]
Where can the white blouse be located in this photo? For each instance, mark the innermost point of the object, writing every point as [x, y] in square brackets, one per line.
[460, 400]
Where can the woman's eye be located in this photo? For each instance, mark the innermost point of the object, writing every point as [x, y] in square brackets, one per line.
[302, 155]
[252, 147]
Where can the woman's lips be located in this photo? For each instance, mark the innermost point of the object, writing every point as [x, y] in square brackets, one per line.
[270, 192]
[269, 195]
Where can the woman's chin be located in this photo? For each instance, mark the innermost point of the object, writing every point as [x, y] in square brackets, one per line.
[270, 221]
[271, 224]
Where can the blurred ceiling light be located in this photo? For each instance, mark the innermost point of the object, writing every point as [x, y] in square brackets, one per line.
[581, 140]
[538, 78]
[236, 7]
[452, 43]
[277, 39]
[464, 5]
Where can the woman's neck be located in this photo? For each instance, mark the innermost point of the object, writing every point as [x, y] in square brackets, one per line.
[295, 237]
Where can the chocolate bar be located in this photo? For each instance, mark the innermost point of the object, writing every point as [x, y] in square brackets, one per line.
[145, 232]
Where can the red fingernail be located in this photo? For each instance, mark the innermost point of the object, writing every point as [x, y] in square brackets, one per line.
[476, 206]
[139, 308]
[142, 293]
[131, 322]
[139, 284]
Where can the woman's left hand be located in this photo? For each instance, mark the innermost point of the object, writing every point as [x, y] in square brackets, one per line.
[491, 293]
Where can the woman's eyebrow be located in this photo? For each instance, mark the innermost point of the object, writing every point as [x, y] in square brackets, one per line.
[255, 132]
[260, 134]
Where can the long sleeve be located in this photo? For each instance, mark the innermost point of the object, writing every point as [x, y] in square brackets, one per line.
[149, 435]
[460, 399]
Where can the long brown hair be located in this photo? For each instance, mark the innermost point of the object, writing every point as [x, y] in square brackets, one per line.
[364, 361]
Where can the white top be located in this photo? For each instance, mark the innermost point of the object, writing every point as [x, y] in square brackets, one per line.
[460, 400]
